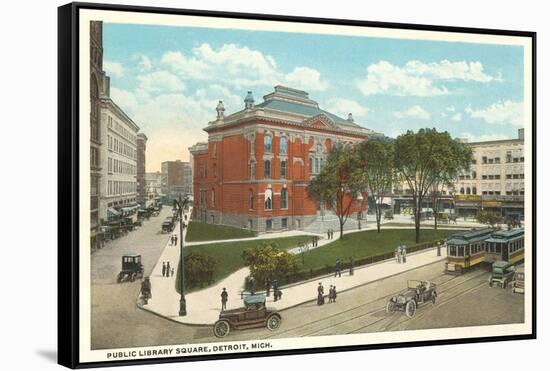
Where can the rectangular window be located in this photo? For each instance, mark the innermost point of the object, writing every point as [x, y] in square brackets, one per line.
[284, 223]
[267, 169]
[284, 198]
[283, 169]
[268, 224]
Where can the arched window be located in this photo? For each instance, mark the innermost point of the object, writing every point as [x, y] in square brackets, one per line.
[474, 191]
[267, 169]
[283, 146]
[250, 199]
[462, 190]
[94, 114]
[468, 190]
[284, 198]
[267, 144]
[268, 199]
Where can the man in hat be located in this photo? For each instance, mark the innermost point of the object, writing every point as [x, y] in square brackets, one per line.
[224, 299]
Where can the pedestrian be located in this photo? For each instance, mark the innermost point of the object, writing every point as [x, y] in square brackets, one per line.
[146, 290]
[224, 299]
[334, 294]
[320, 294]
[172, 272]
[275, 290]
[313, 241]
[267, 287]
[171, 240]
[404, 253]
[351, 265]
[163, 269]
[328, 234]
[398, 254]
[175, 240]
[330, 294]
[337, 268]
[167, 269]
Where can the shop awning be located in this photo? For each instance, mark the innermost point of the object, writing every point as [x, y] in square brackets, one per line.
[113, 212]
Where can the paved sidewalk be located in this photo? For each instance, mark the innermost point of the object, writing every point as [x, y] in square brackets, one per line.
[203, 307]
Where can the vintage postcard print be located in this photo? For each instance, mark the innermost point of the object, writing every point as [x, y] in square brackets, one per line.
[255, 184]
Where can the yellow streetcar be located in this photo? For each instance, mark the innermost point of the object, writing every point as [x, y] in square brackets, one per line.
[468, 249]
[506, 245]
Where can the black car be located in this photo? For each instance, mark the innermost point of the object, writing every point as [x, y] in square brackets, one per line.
[408, 300]
[131, 268]
[254, 314]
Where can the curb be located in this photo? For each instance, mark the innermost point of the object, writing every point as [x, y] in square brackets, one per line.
[313, 279]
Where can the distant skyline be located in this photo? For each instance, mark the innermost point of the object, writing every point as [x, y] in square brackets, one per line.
[169, 80]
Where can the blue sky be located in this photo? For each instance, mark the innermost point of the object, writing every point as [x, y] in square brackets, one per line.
[169, 79]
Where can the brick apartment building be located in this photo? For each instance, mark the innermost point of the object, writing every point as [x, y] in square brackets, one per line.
[254, 169]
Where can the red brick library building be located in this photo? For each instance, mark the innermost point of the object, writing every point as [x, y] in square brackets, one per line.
[254, 170]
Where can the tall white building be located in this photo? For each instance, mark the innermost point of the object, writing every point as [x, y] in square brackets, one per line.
[119, 162]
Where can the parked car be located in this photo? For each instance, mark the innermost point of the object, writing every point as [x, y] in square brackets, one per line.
[131, 268]
[416, 293]
[519, 281]
[254, 314]
[501, 274]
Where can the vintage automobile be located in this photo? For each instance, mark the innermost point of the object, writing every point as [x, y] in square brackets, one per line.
[168, 225]
[131, 268]
[407, 301]
[254, 314]
[501, 274]
[519, 281]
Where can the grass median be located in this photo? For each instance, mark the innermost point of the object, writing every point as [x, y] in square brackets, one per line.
[228, 254]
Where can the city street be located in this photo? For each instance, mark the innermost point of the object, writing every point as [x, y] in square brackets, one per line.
[116, 320]
[463, 300]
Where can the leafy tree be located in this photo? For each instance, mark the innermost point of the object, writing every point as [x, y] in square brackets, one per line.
[376, 161]
[488, 217]
[338, 183]
[422, 159]
[451, 158]
[199, 269]
[268, 262]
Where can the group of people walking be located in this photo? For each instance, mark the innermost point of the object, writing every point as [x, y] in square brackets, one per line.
[174, 240]
[401, 254]
[167, 271]
[330, 233]
[277, 293]
[321, 294]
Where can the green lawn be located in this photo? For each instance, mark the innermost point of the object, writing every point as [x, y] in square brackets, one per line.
[228, 254]
[365, 244]
[197, 231]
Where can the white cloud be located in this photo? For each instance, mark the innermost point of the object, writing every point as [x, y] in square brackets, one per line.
[447, 70]
[457, 117]
[450, 109]
[114, 69]
[343, 107]
[306, 78]
[145, 63]
[239, 66]
[502, 112]
[160, 81]
[124, 99]
[414, 112]
[416, 78]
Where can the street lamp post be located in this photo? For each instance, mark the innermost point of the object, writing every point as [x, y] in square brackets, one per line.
[179, 206]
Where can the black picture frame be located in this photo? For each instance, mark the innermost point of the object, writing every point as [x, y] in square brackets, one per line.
[69, 173]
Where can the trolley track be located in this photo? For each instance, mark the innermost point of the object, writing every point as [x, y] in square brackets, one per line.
[328, 323]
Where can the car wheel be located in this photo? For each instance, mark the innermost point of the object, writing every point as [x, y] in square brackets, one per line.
[273, 322]
[221, 328]
[389, 307]
[410, 309]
